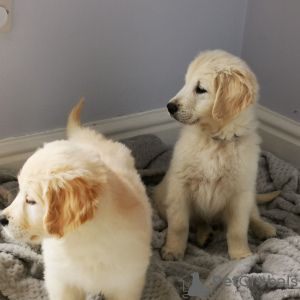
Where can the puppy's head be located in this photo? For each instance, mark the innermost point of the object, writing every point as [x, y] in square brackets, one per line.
[60, 186]
[218, 87]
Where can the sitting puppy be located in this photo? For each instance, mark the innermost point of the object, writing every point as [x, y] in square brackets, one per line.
[213, 171]
[84, 200]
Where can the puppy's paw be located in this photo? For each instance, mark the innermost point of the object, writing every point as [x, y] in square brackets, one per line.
[171, 254]
[265, 231]
[240, 255]
[204, 240]
[204, 236]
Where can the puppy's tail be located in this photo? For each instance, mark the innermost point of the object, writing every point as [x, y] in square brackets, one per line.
[264, 198]
[74, 124]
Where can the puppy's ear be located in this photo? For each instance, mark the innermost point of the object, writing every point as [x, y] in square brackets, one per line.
[70, 203]
[235, 91]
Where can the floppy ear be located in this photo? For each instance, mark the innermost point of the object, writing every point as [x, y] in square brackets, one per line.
[70, 204]
[235, 91]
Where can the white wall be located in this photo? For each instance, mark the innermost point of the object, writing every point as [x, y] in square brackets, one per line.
[123, 56]
[271, 46]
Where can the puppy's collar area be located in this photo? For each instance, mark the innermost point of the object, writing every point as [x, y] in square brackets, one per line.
[218, 138]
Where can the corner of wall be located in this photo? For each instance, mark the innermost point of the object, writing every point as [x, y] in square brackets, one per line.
[244, 28]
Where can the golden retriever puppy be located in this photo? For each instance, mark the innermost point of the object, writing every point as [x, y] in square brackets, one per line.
[214, 166]
[84, 200]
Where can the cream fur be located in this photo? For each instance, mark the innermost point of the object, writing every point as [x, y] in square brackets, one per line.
[213, 170]
[91, 213]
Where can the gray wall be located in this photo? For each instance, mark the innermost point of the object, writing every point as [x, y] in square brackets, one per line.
[123, 56]
[271, 46]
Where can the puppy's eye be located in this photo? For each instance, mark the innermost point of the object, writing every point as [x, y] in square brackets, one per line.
[31, 202]
[200, 90]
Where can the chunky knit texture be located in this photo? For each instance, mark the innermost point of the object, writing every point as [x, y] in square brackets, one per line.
[265, 275]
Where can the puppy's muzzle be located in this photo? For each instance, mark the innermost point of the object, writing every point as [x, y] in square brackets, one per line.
[172, 108]
[3, 220]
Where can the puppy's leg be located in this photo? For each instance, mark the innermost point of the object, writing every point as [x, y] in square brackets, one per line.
[204, 232]
[57, 290]
[66, 293]
[178, 224]
[237, 215]
[158, 196]
[262, 229]
[131, 291]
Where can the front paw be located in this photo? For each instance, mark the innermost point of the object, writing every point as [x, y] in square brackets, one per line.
[240, 255]
[171, 254]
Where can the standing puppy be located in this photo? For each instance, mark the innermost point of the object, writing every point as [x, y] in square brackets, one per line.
[83, 198]
[213, 171]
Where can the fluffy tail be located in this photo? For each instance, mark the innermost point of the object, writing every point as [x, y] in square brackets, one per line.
[263, 198]
[74, 119]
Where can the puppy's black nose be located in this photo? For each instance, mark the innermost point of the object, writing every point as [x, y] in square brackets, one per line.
[3, 220]
[172, 108]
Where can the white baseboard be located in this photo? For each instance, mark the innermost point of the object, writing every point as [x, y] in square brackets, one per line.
[16, 150]
[281, 136]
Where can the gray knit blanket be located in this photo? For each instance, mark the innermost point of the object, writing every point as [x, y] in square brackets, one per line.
[272, 273]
